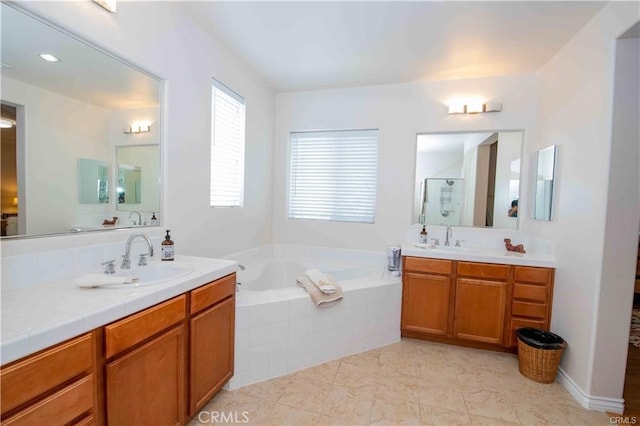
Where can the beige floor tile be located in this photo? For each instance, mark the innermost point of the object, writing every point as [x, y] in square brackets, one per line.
[441, 416]
[354, 376]
[449, 397]
[284, 415]
[409, 382]
[395, 413]
[348, 406]
[305, 394]
[322, 373]
[267, 388]
[393, 386]
[441, 373]
[486, 421]
[368, 360]
[488, 403]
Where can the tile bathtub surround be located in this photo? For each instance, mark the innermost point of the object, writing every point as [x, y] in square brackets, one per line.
[278, 338]
[409, 382]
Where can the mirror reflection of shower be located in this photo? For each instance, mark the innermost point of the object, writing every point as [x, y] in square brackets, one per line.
[441, 200]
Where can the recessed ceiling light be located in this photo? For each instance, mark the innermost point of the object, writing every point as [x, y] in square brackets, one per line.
[49, 57]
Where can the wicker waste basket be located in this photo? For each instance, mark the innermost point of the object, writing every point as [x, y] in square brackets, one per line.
[539, 354]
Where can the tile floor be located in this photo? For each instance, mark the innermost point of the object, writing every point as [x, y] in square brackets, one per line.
[411, 382]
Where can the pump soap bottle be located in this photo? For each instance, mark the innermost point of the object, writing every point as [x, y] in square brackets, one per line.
[167, 247]
[423, 235]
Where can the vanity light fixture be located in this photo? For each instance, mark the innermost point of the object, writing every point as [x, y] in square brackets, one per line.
[138, 127]
[474, 108]
[109, 5]
[5, 123]
[49, 57]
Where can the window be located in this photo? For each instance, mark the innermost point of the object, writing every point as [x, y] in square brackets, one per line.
[333, 175]
[227, 147]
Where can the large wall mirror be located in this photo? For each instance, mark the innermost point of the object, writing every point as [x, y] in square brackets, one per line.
[66, 125]
[468, 179]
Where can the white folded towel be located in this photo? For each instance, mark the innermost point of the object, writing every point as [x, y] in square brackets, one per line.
[321, 280]
[99, 280]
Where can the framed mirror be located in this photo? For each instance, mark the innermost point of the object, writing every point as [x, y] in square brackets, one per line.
[545, 182]
[468, 179]
[65, 118]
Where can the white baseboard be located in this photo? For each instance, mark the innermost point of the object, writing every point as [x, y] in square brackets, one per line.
[612, 405]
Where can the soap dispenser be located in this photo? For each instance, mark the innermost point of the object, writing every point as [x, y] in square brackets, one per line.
[424, 239]
[167, 247]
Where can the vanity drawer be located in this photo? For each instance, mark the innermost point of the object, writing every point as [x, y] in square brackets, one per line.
[419, 264]
[527, 309]
[60, 408]
[533, 275]
[536, 293]
[134, 329]
[35, 375]
[483, 270]
[517, 323]
[212, 293]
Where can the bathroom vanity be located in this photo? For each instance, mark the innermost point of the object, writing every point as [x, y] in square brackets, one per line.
[159, 365]
[473, 303]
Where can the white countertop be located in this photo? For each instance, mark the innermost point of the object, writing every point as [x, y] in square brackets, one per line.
[39, 316]
[479, 254]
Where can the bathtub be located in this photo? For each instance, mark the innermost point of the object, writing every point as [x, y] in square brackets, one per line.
[279, 330]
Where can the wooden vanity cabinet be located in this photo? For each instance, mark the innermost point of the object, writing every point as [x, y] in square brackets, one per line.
[145, 368]
[473, 303]
[481, 302]
[57, 384]
[156, 367]
[212, 336]
[427, 285]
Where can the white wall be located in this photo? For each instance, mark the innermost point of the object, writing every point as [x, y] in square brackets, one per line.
[574, 113]
[400, 111]
[57, 134]
[509, 149]
[162, 38]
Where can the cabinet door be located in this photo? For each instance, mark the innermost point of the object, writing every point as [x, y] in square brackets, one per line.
[480, 310]
[425, 303]
[212, 342]
[146, 386]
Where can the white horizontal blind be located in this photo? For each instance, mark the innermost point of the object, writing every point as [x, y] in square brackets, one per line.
[333, 175]
[227, 147]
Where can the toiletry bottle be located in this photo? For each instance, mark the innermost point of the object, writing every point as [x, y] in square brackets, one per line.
[423, 235]
[154, 219]
[167, 247]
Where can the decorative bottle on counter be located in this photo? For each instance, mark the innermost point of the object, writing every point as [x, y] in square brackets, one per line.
[154, 219]
[423, 235]
[167, 247]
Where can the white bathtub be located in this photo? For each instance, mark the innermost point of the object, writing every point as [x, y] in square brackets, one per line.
[279, 330]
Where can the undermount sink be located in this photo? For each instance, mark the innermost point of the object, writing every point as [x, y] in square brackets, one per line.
[153, 273]
[453, 249]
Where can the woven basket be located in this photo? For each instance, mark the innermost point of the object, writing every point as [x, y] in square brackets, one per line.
[540, 365]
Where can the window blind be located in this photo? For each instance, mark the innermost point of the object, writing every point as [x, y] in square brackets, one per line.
[333, 175]
[227, 147]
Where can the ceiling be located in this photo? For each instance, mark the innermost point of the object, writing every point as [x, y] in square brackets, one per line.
[306, 45]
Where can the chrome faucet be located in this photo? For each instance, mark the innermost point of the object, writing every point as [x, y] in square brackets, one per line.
[126, 260]
[448, 235]
[139, 222]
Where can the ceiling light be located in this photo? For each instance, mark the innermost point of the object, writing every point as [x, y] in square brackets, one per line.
[5, 123]
[49, 57]
[139, 127]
